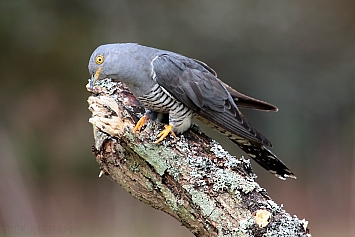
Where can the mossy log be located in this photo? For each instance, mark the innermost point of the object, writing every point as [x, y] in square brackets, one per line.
[190, 177]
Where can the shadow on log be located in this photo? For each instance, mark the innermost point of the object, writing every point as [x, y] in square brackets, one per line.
[190, 177]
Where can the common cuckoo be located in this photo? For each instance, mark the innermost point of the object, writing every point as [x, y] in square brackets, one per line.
[168, 83]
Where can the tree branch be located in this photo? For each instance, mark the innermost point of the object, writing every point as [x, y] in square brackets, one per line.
[190, 177]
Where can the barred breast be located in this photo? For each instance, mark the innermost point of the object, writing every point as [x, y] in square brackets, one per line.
[161, 101]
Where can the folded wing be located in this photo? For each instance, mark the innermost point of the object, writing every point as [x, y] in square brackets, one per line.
[195, 84]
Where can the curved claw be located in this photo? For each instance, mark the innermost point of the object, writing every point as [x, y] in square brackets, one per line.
[140, 123]
[163, 134]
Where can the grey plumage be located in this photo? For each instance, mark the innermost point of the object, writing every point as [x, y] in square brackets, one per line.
[169, 83]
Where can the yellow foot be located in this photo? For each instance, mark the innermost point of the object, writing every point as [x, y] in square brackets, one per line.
[163, 134]
[140, 123]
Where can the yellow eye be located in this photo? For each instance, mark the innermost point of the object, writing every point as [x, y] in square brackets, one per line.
[99, 59]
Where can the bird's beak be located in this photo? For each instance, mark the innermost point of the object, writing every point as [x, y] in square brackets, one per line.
[95, 77]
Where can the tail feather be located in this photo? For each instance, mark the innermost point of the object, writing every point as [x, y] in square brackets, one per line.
[266, 159]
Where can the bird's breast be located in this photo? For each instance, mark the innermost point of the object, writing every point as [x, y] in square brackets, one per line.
[158, 100]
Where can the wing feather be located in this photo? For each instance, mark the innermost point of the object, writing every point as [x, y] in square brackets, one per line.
[240, 99]
[190, 82]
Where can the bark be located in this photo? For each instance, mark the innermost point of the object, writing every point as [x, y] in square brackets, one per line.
[190, 177]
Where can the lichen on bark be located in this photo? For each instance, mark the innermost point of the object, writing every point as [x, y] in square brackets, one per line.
[190, 177]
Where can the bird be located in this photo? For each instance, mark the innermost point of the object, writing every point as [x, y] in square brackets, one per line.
[182, 88]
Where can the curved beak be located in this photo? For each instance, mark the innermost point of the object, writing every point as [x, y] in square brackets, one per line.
[94, 78]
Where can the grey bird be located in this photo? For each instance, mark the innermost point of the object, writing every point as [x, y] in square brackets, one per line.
[168, 83]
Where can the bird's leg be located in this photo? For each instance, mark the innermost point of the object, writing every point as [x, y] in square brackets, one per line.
[140, 123]
[163, 134]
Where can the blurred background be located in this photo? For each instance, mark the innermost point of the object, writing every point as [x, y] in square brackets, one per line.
[298, 55]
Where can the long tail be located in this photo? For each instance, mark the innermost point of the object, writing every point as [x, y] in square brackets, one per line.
[265, 158]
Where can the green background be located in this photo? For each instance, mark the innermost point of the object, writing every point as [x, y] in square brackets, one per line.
[298, 55]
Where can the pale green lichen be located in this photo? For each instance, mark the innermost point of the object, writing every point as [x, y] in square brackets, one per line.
[245, 226]
[201, 200]
[175, 204]
[154, 155]
[270, 204]
[218, 150]
[149, 186]
[227, 179]
[108, 84]
[183, 145]
[286, 226]
[129, 134]
[223, 178]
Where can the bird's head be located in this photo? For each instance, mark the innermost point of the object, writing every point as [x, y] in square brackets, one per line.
[101, 64]
[110, 61]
